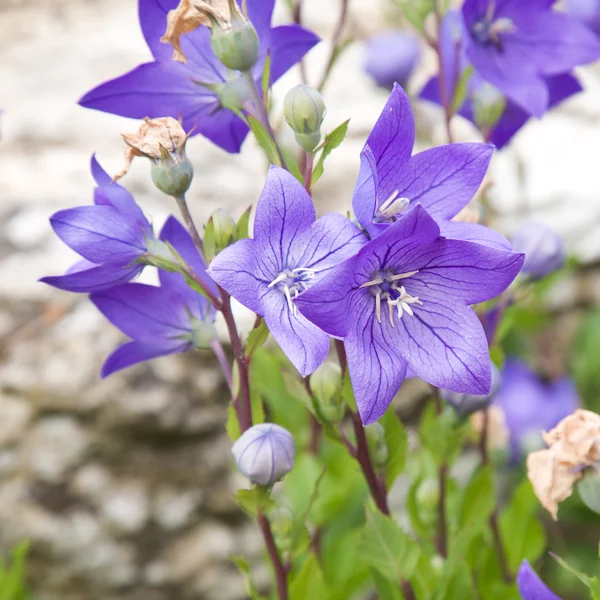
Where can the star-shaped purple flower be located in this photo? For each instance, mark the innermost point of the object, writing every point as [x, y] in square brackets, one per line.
[160, 320]
[403, 301]
[443, 180]
[290, 252]
[481, 92]
[515, 44]
[166, 88]
[531, 587]
[111, 236]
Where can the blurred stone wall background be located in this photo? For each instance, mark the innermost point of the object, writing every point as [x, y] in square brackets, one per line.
[122, 485]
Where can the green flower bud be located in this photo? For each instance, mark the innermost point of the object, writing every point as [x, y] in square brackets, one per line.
[378, 450]
[326, 385]
[172, 176]
[304, 110]
[235, 44]
[308, 141]
[220, 232]
[203, 333]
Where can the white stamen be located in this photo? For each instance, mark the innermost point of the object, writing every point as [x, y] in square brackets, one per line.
[402, 276]
[391, 313]
[372, 282]
[378, 306]
[281, 277]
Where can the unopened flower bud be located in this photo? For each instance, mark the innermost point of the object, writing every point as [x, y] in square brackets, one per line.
[224, 229]
[204, 333]
[304, 110]
[235, 43]
[326, 385]
[466, 404]
[264, 453]
[543, 248]
[173, 177]
[378, 450]
[391, 58]
[488, 105]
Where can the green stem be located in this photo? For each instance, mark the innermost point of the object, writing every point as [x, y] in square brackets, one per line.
[189, 221]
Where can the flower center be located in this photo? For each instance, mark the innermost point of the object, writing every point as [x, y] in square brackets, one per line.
[486, 32]
[291, 283]
[390, 208]
[384, 286]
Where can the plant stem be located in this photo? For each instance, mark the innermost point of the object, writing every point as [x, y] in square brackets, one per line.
[189, 221]
[280, 571]
[297, 17]
[335, 44]
[308, 170]
[241, 402]
[263, 116]
[223, 362]
[441, 542]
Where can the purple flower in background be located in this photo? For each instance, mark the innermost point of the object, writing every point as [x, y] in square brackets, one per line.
[543, 247]
[587, 11]
[264, 453]
[168, 88]
[289, 253]
[160, 320]
[483, 98]
[531, 587]
[111, 236]
[443, 180]
[391, 58]
[531, 406]
[514, 45]
[403, 301]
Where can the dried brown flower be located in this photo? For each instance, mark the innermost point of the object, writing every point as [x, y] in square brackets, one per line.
[573, 445]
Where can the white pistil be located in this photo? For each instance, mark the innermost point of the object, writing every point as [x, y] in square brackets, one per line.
[392, 206]
[292, 283]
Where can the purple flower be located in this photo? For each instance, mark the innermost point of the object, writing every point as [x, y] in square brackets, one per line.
[264, 453]
[168, 88]
[160, 320]
[289, 253]
[403, 301]
[514, 45]
[443, 180]
[531, 587]
[531, 406]
[481, 95]
[587, 11]
[111, 236]
[543, 247]
[391, 58]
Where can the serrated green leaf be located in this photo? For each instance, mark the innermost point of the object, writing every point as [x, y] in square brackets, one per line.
[387, 548]
[244, 568]
[242, 225]
[265, 141]
[397, 444]
[257, 337]
[479, 498]
[308, 582]
[332, 141]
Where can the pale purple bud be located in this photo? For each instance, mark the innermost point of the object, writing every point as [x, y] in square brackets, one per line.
[587, 11]
[543, 247]
[391, 58]
[466, 404]
[264, 453]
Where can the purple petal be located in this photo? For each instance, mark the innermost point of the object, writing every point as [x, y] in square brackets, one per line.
[302, 342]
[176, 234]
[101, 177]
[444, 343]
[392, 139]
[288, 44]
[153, 20]
[284, 211]
[85, 278]
[364, 199]
[237, 270]
[331, 240]
[154, 90]
[201, 59]
[531, 587]
[260, 13]
[472, 232]
[444, 179]
[135, 352]
[144, 312]
[99, 233]
[224, 128]
[375, 365]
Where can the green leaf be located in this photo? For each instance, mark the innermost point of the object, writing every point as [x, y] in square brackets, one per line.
[386, 589]
[255, 498]
[308, 583]
[257, 337]
[348, 393]
[462, 88]
[332, 141]
[266, 75]
[232, 426]
[265, 141]
[292, 164]
[387, 548]
[242, 224]
[416, 11]
[12, 579]
[479, 498]
[457, 585]
[397, 443]
[244, 567]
